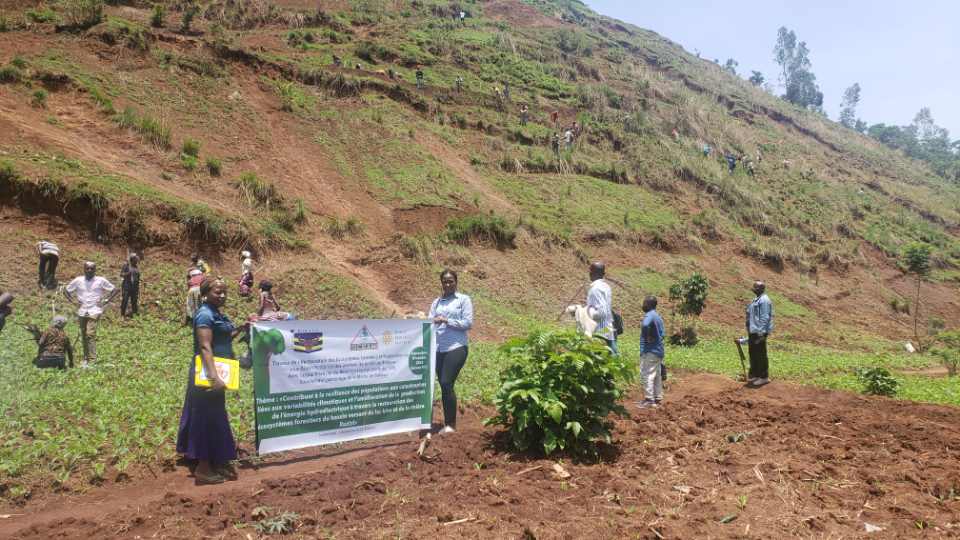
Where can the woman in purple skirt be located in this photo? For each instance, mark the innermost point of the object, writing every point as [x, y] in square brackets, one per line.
[205, 435]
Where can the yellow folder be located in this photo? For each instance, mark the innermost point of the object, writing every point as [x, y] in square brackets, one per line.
[227, 368]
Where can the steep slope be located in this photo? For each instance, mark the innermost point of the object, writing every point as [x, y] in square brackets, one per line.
[370, 170]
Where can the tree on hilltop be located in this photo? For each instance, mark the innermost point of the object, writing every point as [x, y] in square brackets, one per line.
[731, 66]
[848, 107]
[799, 83]
[757, 78]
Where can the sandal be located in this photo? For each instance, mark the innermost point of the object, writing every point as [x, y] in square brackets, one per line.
[208, 480]
[227, 471]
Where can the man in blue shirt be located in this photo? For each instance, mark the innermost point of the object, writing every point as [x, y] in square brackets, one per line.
[651, 355]
[759, 326]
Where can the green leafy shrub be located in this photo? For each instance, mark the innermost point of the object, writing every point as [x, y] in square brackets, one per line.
[948, 350]
[10, 74]
[214, 166]
[484, 228]
[189, 162]
[42, 14]
[156, 16]
[39, 99]
[558, 390]
[878, 381]
[690, 294]
[191, 147]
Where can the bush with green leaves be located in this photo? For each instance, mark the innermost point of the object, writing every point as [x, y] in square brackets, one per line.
[215, 166]
[948, 350]
[690, 297]
[558, 391]
[156, 16]
[878, 381]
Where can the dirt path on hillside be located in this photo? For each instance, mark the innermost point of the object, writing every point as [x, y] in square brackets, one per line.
[464, 171]
[718, 460]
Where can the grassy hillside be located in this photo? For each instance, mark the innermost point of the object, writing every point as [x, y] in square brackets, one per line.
[233, 128]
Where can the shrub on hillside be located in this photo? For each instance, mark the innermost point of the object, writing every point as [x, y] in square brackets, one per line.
[156, 16]
[10, 74]
[948, 349]
[82, 14]
[258, 192]
[558, 390]
[483, 228]
[214, 166]
[39, 99]
[191, 147]
[878, 381]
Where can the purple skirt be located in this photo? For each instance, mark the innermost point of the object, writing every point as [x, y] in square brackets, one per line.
[204, 427]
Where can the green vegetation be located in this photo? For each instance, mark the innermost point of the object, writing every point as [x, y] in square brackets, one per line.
[557, 391]
[257, 192]
[877, 381]
[82, 14]
[341, 228]
[482, 228]
[39, 98]
[190, 147]
[157, 15]
[214, 166]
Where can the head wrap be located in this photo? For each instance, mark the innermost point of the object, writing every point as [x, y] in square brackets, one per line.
[59, 321]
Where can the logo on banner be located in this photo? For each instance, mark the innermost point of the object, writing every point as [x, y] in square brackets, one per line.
[308, 342]
[364, 341]
[387, 337]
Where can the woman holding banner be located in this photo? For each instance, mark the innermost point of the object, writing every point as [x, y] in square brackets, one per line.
[452, 315]
[204, 434]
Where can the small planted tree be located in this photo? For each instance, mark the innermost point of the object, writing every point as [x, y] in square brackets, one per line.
[557, 392]
[917, 260]
[948, 349]
[690, 299]
[878, 381]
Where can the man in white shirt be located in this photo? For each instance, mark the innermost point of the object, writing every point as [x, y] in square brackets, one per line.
[90, 293]
[600, 305]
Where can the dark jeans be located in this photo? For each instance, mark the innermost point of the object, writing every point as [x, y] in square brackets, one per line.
[131, 297]
[48, 270]
[449, 365]
[759, 366]
[3, 320]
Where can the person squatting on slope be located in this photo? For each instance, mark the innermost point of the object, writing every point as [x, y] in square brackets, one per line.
[90, 293]
[53, 346]
[130, 286]
[599, 305]
[49, 255]
[452, 315]
[204, 435]
[269, 308]
[651, 354]
[759, 327]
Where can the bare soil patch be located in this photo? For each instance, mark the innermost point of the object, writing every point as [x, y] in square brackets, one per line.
[717, 460]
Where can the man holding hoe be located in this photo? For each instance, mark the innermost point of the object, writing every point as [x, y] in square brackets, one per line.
[759, 325]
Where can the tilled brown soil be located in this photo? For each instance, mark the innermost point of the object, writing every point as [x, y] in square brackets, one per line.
[717, 461]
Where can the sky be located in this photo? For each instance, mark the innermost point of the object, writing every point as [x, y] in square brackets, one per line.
[904, 54]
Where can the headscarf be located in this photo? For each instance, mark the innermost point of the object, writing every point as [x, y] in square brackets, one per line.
[59, 322]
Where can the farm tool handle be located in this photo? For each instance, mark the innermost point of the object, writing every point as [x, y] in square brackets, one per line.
[739, 343]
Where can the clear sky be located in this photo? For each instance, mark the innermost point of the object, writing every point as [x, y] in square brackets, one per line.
[904, 54]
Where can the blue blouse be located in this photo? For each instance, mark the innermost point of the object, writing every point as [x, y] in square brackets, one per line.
[209, 317]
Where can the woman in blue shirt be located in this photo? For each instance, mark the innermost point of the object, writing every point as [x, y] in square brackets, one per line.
[452, 316]
[205, 434]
